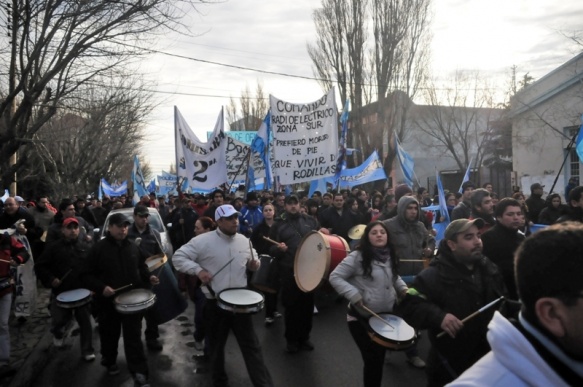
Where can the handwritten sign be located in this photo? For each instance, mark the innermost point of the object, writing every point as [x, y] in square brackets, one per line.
[202, 163]
[305, 139]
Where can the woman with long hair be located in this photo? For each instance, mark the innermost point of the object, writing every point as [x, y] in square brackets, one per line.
[554, 209]
[369, 277]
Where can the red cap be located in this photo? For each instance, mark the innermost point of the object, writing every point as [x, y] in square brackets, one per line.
[68, 221]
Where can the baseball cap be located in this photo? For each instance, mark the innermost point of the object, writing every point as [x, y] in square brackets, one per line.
[225, 211]
[461, 225]
[141, 210]
[292, 199]
[68, 221]
[119, 219]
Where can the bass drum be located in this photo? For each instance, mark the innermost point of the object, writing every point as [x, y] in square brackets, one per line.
[170, 303]
[265, 278]
[317, 256]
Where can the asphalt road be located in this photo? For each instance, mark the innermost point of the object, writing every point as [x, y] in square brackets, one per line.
[335, 361]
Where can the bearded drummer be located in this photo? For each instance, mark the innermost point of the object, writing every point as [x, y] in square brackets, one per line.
[369, 277]
[220, 259]
[288, 230]
[59, 268]
[115, 265]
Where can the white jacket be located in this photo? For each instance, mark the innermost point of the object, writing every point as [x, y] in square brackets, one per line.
[213, 250]
[512, 362]
[378, 294]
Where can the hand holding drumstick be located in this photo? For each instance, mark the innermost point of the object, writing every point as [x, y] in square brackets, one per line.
[282, 246]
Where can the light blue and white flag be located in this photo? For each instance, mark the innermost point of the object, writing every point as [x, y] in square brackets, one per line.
[152, 186]
[318, 185]
[579, 142]
[342, 151]
[466, 176]
[406, 162]
[138, 180]
[5, 196]
[442, 204]
[370, 170]
[260, 145]
[114, 189]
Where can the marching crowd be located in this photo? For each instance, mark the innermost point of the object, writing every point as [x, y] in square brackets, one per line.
[500, 307]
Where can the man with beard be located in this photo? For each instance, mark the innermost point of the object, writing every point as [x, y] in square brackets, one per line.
[299, 306]
[458, 282]
[337, 218]
[483, 208]
[502, 240]
[217, 199]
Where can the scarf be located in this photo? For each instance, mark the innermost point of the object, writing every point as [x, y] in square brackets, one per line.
[381, 254]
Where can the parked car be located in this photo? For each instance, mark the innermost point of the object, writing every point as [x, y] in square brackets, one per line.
[155, 222]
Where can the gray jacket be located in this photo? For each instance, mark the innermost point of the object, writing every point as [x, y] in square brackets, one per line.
[408, 239]
[378, 293]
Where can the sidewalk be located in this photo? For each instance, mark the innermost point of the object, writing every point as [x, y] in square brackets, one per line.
[30, 342]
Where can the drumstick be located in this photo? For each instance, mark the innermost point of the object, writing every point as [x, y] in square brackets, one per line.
[412, 260]
[477, 312]
[4, 260]
[123, 287]
[225, 265]
[271, 240]
[376, 315]
[65, 276]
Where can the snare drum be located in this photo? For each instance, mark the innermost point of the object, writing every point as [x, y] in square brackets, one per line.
[156, 261]
[398, 336]
[317, 256]
[73, 298]
[240, 300]
[134, 301]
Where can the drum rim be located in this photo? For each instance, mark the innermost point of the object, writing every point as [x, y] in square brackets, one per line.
[241, 306]
[146, 291]
[163, 259]
[72, 290]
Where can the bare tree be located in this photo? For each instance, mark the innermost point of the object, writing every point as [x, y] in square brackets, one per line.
[58, 46]
[458, 118]
[91, 139]
[395, 61]
[250, 111]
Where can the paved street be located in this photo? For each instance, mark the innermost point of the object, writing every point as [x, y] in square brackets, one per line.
[335, 361]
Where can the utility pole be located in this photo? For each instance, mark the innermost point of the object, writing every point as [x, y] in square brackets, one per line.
[12, 12]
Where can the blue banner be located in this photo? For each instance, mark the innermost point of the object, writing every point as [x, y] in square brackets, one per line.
[260, 146]
[114, 189]
[371, 170]
[579, 142]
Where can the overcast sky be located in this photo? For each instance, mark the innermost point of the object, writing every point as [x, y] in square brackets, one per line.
[485, 35]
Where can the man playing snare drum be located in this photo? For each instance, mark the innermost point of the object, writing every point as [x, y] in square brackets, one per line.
[220, 259]
[59, 268]
[114, 266]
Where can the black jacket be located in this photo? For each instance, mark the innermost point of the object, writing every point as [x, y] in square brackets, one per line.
[500, 243]
[60, 257]
[115, 264]
[290, 230]
[340, 224]
[447, 286]
[535, 204]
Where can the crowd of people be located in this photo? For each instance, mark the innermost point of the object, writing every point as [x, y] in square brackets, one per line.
[395, 265]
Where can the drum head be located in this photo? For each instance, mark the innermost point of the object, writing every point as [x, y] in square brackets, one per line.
[400, 331]
[312, 261]
[240, 297]
[156, 261]
[73, 295]
[135, 296]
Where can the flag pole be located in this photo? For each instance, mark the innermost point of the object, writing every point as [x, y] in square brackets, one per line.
[247, 157]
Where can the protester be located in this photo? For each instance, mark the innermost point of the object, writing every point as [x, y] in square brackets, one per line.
[59, 268]
[535, 202]
[207, 254]
[545, 346]
[483, 208]
[112, 264]
[464, 209]
[553, 210]
[369, 277]
[456, 284]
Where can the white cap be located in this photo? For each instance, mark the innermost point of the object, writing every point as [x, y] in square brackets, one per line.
[18, 199]
[225, 211]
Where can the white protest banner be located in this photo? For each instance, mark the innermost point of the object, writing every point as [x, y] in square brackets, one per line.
[237, 161]
[202, 163]
[305, 139]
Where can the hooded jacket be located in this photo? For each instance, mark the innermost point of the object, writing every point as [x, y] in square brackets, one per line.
[408, 238]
